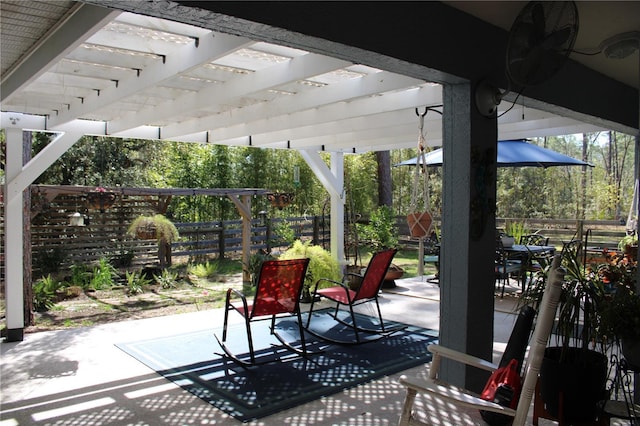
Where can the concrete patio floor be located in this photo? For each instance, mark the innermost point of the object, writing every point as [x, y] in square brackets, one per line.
[79, 377]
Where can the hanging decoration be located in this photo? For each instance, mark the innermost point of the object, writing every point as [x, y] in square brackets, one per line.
[76, 218]
[280, 199]
[296, 176]
[101, 199]
[420, 221]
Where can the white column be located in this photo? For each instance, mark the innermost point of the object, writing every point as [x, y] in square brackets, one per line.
[337, 207]
[17, 179]
[13, 236]
[333, 181]
[42, 161]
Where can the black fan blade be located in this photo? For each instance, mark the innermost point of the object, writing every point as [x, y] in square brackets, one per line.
[557, 38]
[522, 37]
[538, 66]
[539, 21]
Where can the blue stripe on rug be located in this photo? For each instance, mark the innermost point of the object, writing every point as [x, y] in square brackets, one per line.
[193, 361]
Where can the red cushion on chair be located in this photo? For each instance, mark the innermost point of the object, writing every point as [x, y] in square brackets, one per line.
[337, 294]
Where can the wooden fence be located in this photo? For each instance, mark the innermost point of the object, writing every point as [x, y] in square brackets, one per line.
[596, 233]
[224, 239]
[55, 243]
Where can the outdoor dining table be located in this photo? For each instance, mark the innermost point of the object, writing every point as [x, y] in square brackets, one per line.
[528, 253]
[529, 249]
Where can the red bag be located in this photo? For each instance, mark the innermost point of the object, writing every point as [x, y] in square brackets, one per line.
[503, 387]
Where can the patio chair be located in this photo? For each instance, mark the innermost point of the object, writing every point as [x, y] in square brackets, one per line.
[432, 255]
[535, 262]
[437, 388]
[278, 288]
[342, 295]
[505, 266]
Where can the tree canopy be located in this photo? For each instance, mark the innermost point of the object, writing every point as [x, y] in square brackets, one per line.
[601, 192]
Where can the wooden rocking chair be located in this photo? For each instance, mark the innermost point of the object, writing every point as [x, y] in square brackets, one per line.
[464, 398]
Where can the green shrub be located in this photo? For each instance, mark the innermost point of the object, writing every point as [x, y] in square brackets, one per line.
[103, 275]
[321, 263]
[203, 270]
[283, 234]
[45, 293]
[122, 259]
[48, 261]
[380, 232]
[167, 279]
[80, 276]
[255, 262]
[136, 282]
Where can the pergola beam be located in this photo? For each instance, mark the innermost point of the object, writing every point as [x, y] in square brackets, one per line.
[82, 22]
[185, 58]
[349, 115]
[298, 68]
[344, 91]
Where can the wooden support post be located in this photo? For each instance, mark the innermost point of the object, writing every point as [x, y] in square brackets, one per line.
[244, 207]
[221, 242]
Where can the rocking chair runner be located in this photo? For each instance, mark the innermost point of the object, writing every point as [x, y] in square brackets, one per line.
[278, 290]
[342, 295]
[436, 387]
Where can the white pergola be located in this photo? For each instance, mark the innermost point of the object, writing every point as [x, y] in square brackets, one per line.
[109, 72]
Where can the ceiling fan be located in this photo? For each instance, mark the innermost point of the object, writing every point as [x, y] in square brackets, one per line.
[540, 41]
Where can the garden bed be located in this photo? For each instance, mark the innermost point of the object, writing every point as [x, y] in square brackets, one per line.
[97, 307]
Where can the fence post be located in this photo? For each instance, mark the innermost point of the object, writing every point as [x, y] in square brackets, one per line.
[316, 231]
[580, 229]
[268, 236]
[221, 243]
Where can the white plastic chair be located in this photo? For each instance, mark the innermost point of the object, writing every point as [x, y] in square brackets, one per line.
[436, 387]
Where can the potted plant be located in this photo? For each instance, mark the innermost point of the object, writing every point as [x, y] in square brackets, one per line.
[621, 308]
[629, 245]
[574, 369]
[101, 199]
[156, 227]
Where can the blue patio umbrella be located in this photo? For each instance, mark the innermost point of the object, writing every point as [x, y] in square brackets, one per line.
[512, 153]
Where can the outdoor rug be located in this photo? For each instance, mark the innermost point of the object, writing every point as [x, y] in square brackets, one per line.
[194, 361]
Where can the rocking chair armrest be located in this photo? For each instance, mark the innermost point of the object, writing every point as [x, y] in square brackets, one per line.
[453, 393]
[315, 288]
[444, 352]
[239, 294]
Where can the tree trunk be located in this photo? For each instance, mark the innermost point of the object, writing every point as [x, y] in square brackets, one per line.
[583, 178]
[385, 194]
